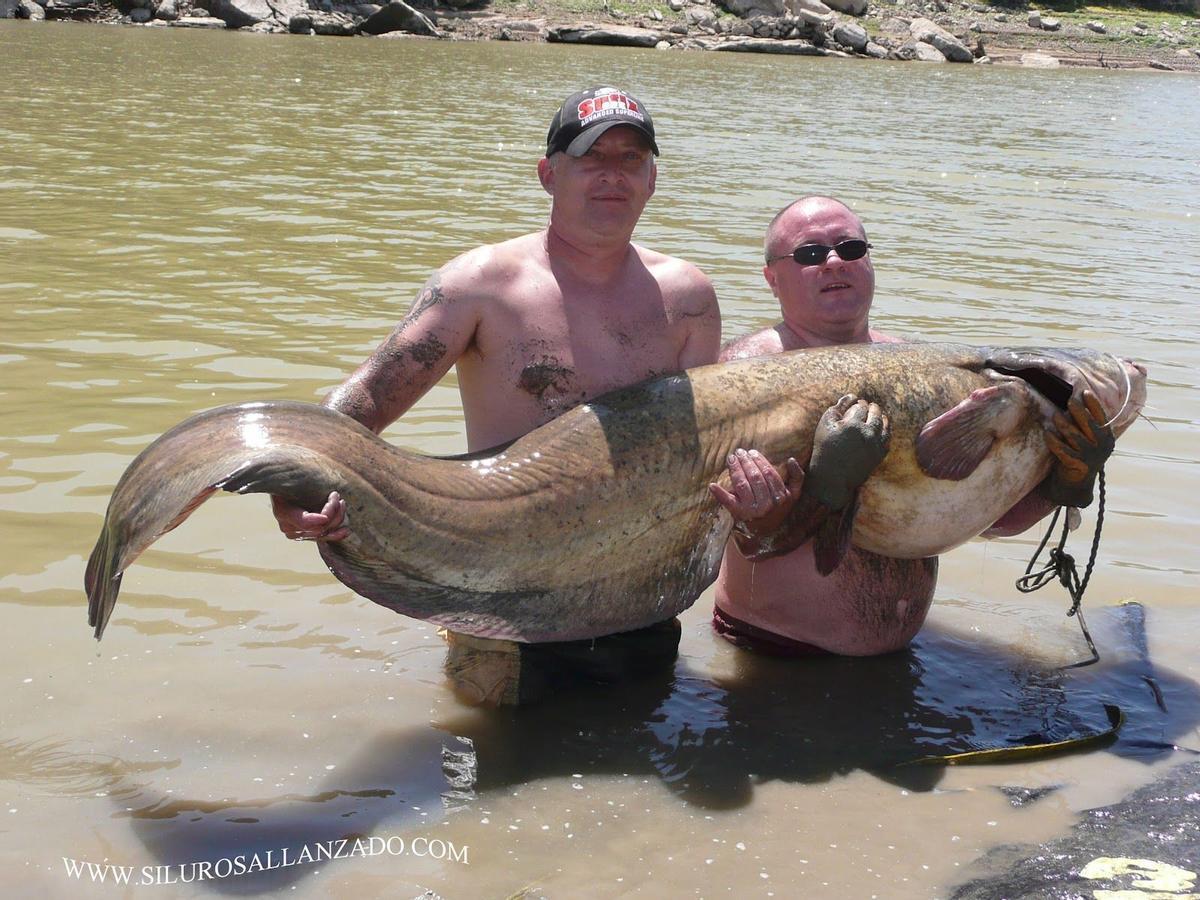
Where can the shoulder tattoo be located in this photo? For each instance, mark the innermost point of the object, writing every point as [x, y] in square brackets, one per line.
[431, 295]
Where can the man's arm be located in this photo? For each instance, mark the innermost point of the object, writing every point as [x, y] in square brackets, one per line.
[413, 358]
[702, 317]
[422, 348]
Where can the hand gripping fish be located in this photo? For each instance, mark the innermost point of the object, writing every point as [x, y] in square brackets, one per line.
[601, 520]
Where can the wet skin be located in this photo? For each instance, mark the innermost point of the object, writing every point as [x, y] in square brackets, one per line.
[870, 604]
[541, 323]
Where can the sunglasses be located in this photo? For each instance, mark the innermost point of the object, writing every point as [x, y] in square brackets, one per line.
[815, 254]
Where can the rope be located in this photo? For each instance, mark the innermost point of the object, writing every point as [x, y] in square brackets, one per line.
[1061, 566]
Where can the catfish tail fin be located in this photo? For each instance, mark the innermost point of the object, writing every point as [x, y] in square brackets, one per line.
[183, 468]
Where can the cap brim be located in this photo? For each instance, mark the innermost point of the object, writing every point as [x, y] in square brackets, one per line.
[583, 143]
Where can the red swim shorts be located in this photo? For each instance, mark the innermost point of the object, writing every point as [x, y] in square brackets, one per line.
[751, 637]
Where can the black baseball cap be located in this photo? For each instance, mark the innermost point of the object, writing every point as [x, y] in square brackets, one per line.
[586, 115]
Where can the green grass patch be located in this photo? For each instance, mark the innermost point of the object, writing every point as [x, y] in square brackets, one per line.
[1117, 17]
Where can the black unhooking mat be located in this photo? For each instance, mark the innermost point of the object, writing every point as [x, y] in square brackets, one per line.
[1148, 845]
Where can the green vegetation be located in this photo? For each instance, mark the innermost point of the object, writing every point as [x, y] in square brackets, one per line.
[1120, 18]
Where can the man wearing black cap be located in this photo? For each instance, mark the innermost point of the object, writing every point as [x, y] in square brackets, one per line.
[536, 325]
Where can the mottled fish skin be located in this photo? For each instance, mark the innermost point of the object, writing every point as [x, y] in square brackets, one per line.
[600, 520]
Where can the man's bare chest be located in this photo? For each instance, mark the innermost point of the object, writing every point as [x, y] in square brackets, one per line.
[557, 359]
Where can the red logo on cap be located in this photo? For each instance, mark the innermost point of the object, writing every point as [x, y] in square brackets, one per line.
[615, 101]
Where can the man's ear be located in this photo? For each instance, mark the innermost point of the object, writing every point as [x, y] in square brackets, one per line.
[770, 276]
[546, 175]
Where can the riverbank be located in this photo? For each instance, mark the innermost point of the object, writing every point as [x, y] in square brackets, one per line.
[942, 31]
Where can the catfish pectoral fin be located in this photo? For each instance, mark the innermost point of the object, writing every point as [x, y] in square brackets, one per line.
[953, 445]
[277, 474]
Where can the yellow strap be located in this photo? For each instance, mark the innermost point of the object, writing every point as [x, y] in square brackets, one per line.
[1116, 719]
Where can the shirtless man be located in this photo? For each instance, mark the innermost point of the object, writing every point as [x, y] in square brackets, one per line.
[536, 325]
[818, 265]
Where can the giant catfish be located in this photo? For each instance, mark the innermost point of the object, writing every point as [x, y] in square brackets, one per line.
[601, 520]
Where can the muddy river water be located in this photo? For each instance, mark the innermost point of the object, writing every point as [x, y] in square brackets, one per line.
[193, 219]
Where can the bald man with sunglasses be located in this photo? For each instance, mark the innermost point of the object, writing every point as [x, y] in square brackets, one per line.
[818, 266]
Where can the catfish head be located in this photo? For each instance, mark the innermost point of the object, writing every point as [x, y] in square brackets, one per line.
[958, 470]
[1055, 376]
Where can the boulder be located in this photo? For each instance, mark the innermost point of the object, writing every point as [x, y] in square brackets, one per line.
[849, 7]
[609, 35]
[140, 15]
[1034, 20]
[816, 7]
[875, 50]
[918, 51]
[1051, 25]
[301, 23]
[167, 11]
[1039, 61]
[699, 17]
[8, 9]
[399, 16]
[851, 34]
[749, 8]
[926, 32]
[811, 19]
[27, 9]
[199, 22]
[1139, 31]
[759, 45]
[333, 24]
[241, 13]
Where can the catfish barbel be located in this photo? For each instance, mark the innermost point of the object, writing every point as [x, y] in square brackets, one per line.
[601, 520]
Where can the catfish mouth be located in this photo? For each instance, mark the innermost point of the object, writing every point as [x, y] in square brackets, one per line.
[1055, 376]
[1049, 385]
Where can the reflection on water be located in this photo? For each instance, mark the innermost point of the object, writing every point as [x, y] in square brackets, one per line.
[710, 743]
[165, 249]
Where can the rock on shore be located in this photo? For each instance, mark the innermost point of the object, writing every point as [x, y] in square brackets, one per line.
[920, 30]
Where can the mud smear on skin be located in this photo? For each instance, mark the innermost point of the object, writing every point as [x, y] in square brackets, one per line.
[427, 352]
[545, 375]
